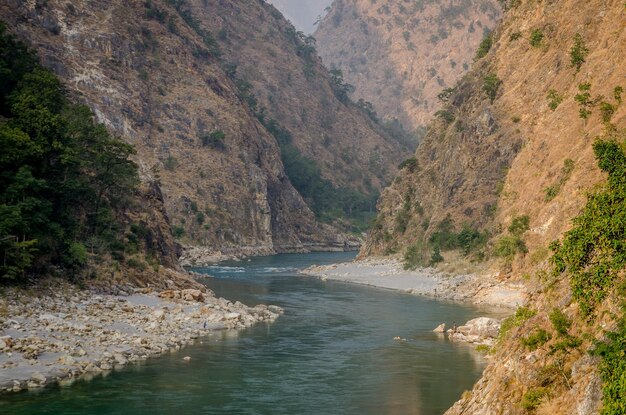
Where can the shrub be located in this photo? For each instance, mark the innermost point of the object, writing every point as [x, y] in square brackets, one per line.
[521, 315]
[484, 46]
[436, 257]
[594, 250]
[606, 111]
[532, 398]
[178, 231]
[560, 322]
[535, 340]
[414, 256]
[410, 164]
[509, 246]
[536, 37]
[554, 99]
[566, 172]
[491, 84]
[445, 115]
[514, 36]
[617, 94]
[578, 52]
[519, 225]
[613, 370]
[584, 100]
[214, 139]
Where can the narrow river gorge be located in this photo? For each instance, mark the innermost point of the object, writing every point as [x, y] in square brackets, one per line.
[332, 352]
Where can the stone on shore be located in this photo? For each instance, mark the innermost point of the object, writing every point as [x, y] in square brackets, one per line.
[440, 328]
[481, 330]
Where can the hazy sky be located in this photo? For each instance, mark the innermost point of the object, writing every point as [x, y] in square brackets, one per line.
[302, 13]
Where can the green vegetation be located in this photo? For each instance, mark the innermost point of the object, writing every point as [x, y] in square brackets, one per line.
[410, 164]
[327, 201]
[532, 398]
[578, 52]
[469, 240]
[521, 315]
[341, 89]
[514, 36]
[613, 370]
[594, 251]
[446, 116]
[214, 139]
[554, 99]
[566, 172]
[560, 322]
[207, 38]
[485, 46]
[63, 179]
[510, 245]
[535, 340]
[584, 100]
[491, 84]
[536, 37]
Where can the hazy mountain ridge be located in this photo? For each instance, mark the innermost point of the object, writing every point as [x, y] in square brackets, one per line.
[400, 55]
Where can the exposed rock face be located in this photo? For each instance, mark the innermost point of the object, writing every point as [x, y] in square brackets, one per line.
[401, 55]
[149, 72]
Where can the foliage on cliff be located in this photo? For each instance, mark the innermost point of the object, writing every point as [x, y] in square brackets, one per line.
[63, 179]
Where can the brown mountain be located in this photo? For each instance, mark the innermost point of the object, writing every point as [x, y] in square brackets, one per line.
[153, 74]
[510, 160]
[401, 55]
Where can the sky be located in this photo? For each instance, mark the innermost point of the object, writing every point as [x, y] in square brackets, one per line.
[302, 13]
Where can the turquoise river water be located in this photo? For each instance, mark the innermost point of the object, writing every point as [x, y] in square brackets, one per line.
[332, 352]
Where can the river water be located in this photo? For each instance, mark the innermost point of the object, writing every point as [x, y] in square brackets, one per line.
[332, 352]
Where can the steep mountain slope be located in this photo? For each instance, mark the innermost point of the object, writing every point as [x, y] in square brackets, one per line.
[280, 68]
[151, 73]
[501, 173]
[400, 55]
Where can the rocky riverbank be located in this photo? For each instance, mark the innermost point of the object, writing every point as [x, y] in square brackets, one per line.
[389, 273]
[61, 332]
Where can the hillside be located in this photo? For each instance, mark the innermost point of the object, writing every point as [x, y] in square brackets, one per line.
[300, 102]
[152, 72]
[504, 168]
[401, 55]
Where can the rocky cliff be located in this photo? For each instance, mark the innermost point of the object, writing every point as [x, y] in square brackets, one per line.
[505, 166]
[401, 55]
[280, 69]
[152, 73]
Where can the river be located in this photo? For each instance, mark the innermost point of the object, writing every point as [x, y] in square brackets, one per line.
[332, 352]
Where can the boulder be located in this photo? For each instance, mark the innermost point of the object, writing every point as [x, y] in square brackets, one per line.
[440, 328]
[192, 295]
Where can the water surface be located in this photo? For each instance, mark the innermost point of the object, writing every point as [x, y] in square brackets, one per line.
[332, 352]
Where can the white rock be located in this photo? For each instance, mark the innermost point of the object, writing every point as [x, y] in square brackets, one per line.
[440, 328]
[186, 358]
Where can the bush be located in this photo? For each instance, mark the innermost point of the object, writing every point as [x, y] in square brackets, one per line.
[594, 250]
[532, 398]
[536, 37]
[509, 246]
[521, 315]
[178, 232]
[554, 99]
[514, 36]
[519, 225]
[410, 164]
[584, 100]
[436, 257]
[414, 256]
[484, 47]
[214, 139]
[536, 340]
[491, 84]
[578, 52]
[560, 322]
